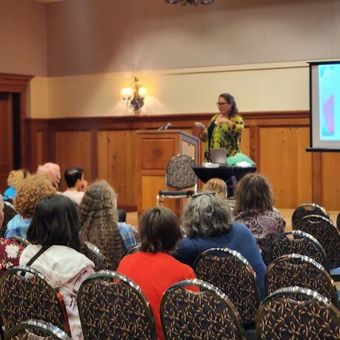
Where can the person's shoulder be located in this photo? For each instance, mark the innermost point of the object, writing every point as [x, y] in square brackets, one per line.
[174, 263]
[240, 229]
[64, 253]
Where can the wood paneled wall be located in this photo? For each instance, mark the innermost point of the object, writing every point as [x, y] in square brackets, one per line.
[106, 148]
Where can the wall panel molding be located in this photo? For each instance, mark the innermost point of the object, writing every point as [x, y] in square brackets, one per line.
[282, 158]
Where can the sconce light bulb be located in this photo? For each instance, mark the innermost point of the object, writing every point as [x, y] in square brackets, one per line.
[142, 91]
[126, 92]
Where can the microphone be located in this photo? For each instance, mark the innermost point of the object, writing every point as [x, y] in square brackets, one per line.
[165, 126]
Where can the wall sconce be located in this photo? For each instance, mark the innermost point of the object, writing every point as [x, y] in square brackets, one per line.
[134, 95]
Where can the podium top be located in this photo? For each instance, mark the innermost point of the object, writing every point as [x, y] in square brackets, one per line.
[223, 172]
[168, 131]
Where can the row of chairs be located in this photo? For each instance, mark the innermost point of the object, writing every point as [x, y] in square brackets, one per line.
[113, 307]
[222, 267]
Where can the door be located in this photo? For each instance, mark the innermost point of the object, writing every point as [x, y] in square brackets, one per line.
[6, 138]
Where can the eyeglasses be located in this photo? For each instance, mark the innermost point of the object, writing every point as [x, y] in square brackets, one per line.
[221, 103]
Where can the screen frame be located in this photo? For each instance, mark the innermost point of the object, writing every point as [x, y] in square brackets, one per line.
[318, 146]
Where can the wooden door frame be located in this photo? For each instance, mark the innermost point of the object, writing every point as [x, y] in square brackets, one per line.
[19, 83]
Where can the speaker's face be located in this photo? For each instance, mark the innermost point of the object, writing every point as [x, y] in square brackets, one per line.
[223, 106]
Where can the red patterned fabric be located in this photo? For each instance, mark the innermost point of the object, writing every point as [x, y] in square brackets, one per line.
[10, 252]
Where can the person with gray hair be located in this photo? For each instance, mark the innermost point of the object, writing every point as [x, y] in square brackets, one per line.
[207, 223]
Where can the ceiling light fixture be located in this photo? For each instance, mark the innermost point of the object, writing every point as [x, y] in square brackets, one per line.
[190, 2]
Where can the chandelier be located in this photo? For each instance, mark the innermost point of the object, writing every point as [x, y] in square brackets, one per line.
[190, 2]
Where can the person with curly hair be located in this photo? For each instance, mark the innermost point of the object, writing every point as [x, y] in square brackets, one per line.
[98, 219]
[207, 223]
[14, 181]
[254, 207]
[32, 190]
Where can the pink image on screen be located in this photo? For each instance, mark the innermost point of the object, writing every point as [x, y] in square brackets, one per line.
[328, 115]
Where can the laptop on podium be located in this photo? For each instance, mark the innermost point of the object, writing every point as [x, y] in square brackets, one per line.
[218, 156]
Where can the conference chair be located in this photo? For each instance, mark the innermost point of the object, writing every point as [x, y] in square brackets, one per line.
[26, 294]
[113, 307]
[229, 271]
[35, 330]
[326, 233]
[297, 313]
[133, 249]
[306, 209]
[303, 271]
[20, 240]
[299, 242]
[207, 314]
[95, 255]
[179, 176]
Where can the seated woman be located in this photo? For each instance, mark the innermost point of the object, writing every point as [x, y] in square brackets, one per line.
[153, 268]
[217, 185]
[31, 191]
[14, 181]
[98, 219]
[54, 232]
[254, 208]
[207, 222]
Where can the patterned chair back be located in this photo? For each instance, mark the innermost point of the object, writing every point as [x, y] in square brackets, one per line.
[179, 172]
[36, 330]
[26, 294]
[209, 314]
[297, 313]
[307, 209]
[112, 307]
[298, 270]
[299, 242]
[326, 233]
[133, 249]
[230, 271]
[95, 255]
[22, 241]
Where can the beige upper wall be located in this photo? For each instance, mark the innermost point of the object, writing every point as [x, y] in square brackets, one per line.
[88, 37]
[185, 56]
[75, 37]
[23, 37]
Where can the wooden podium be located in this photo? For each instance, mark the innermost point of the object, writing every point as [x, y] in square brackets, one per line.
[154, 150]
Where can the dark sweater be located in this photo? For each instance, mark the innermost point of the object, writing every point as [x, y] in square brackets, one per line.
[239, 238]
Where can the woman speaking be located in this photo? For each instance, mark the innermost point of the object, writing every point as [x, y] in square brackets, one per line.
[225, 128]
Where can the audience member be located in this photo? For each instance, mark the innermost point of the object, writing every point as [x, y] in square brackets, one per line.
[217, 185]
[32, 190]
[153, 268]
[52, 171]
[121, 215]
[14, 180]
[54, 234]
[76, 184]
[98, 219]
[9, 212]
[254, 208]
[9, 250]
[207, 222]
